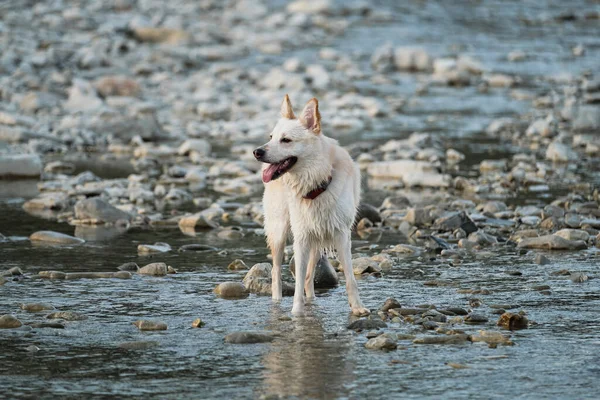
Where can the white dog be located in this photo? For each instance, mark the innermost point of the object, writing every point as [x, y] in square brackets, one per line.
[316, 198]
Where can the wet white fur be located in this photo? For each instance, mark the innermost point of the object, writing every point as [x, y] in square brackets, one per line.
[322, 223]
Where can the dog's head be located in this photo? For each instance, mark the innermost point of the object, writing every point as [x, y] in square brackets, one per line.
[292, 140]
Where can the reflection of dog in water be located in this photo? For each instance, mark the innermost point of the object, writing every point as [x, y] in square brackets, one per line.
[303, 362]
[316, 199]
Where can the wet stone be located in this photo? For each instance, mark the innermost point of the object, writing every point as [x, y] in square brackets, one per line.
[145, 325]
[99, 210]
[456, 310]
[237, 265]
[248, 337]
[231, 290]
[54, 238]
[512, 321]
[154, 269]
[389, 304]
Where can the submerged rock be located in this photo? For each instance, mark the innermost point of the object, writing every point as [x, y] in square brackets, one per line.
[237, 265]
[325, 275]
[442, 339]
[248, 337]
[20, 166]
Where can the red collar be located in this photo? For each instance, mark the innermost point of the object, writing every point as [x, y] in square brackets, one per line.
[313, 194]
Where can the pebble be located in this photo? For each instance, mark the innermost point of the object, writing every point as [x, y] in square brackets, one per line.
[551, 242]
[158, 247]
[475, 319]
[237, 265]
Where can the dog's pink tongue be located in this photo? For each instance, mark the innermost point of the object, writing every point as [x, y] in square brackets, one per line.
[268, 173]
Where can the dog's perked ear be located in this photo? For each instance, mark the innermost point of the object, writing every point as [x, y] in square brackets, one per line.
[311, 118]
[286, 108]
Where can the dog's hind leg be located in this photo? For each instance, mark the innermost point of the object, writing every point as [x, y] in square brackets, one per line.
[309, 283]
[344, 251]
[302, 255]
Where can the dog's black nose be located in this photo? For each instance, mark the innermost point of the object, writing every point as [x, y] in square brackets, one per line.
[258, 153]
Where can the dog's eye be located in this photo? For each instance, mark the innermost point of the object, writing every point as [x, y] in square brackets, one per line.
[285, 140]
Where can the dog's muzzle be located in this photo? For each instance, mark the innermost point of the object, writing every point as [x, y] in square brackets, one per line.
[259, 153]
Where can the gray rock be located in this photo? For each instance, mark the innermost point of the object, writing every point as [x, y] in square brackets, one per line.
[249, 337]
[389, 304]
[573, 234]
[442, 339]
[475, 319]
[36, 307]
[410, 172]
[560, 152]
[367, 211]
[54, 238]
[382, 342]
[98, 209]
[35, 101]
[364, 265]
[82, 97]
[412, 59]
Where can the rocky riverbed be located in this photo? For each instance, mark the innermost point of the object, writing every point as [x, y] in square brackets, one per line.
[132, 255]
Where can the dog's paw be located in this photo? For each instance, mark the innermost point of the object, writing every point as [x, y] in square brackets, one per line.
[297, 311]
[360, 311]
[276, 298]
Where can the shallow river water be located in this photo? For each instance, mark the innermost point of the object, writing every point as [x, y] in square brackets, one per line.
[316, 356]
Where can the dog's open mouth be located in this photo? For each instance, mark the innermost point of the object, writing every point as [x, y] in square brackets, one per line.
[274, 171]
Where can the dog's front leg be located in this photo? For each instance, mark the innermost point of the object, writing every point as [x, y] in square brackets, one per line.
[302, 255]
[309, 283]
[277, 251]
[344, 251]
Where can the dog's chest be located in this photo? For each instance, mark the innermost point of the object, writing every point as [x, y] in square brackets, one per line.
[322, 218]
